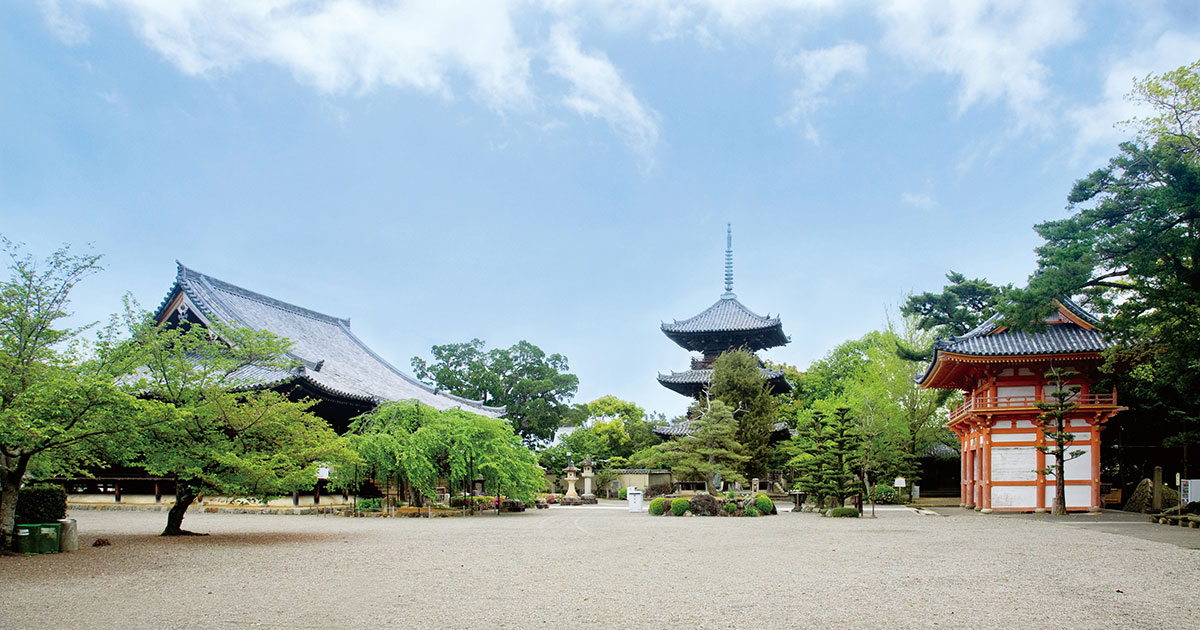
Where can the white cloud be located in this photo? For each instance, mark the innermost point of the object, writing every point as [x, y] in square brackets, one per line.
[1096, 131]
[820, 68]
[920, 201]
[68, 28]
[598, 90]
[993, 47]
[345, 45]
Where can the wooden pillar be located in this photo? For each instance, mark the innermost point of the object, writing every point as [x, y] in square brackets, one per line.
[1040, 500]
[295, 498]
[985, 499]
[1095, 493]
[964, 477]
[317, 493]
[157, 492]
[117, 491]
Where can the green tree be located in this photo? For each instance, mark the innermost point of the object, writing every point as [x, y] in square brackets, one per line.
[1054, 427]
[961, 306]
[420, 445]
[535, 388]
[808, 457]
[226, 437]
[842, 441]
[1175, 97]
[710, 451]
[738, 382]
[60, 406]
[1129, 253]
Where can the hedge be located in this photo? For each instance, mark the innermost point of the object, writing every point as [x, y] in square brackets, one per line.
[41, 503]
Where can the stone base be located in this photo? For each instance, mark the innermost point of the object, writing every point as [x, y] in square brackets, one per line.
[575, 500]
[589, 499]
[985, 511]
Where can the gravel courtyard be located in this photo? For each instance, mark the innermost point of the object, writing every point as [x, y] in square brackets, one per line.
[601, 567]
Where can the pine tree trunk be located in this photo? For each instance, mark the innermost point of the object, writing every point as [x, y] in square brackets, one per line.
[185, 493]
[12, 468]
[1059, 508]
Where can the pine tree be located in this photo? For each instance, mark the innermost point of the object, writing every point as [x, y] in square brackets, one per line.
[1054, 427]
[738, 382]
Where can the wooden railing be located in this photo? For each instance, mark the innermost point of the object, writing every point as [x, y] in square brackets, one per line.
[993, 403]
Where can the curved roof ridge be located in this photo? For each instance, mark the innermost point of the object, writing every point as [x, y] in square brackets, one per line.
[429, 388]
[220, 285]
[715, 312]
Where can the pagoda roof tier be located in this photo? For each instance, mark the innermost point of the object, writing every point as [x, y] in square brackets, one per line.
[693, 382]
[725, 325]
[330, 360]
[1069, 331]
[779, 430]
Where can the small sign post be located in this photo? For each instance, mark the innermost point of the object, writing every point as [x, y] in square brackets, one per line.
[900, 484]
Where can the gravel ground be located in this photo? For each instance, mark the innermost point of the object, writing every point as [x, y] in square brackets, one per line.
[596, 567]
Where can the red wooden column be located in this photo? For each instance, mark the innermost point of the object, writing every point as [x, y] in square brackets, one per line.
[985, 499]
[1040, 500]
[1095, 444]
[964, 477]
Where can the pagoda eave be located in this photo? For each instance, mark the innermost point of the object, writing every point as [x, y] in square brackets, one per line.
[719, 341]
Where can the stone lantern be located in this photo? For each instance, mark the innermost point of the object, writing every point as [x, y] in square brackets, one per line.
[588, 497]
[572, 496]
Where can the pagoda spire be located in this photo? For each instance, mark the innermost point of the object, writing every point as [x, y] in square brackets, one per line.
[728, 295]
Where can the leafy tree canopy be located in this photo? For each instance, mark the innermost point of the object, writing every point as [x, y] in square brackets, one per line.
[738, 382]
[1175, 97]
[534, 387]
[962, 305]
[710, 452]
[612, 429]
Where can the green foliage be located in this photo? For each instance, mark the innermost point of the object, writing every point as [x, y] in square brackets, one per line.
[680, 506]
[882, 494]
[962, 305]
[417, 443]
[61, 409]
[623, 493]
[730, 507]
[369, 505]
[825, 452]
[656, 506]
[223, 438]
[764, 504]
[41, 503]
[1175, 96]
[704, 504]
[844, 512]
[738, 382]
[535, 388]
[1128, 253]
[711, 450]
[612, 430]
[751, 511]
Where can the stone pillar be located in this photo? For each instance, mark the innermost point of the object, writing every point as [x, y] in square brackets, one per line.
[588, 497]
[1156, 496]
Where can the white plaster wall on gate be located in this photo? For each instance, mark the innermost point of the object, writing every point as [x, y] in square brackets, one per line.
[1077, 496]
[1014, 463]
[1014, 496]
[1014, 437]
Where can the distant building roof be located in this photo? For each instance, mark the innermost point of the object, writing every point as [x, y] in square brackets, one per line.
[692, 382]
[779, 430]
[725, 325]
[333, 360]
[642, 471]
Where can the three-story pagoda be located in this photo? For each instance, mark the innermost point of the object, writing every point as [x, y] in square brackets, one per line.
[726, 325]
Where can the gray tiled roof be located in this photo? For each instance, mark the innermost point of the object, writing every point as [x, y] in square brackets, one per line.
[728, 315]
[1055, 339]
[704, 376]
[684, 427]
[642, 471]
[333, 358]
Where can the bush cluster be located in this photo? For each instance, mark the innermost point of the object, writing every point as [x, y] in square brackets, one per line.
[882, 494]
[623, 494]
[730, 508]
[764, 504]
[41, 503]
[680, 506]
[844, 512]
[705, 505]
[369, 505]
[656, 506]
[751, 511]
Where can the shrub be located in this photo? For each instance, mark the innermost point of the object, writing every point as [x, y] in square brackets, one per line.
[844, 512]
[751, 511]
[679, 506]
[705, 505]
[656, 506]
[730, 508]
[882, 494]
[624, 492]
[764, 504]
[41, 503]
[368, 505]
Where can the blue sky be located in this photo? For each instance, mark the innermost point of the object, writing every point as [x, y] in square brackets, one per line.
[563, 172]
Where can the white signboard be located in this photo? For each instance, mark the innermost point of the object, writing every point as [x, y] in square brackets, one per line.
[323, 472]
[900, 483]
[1189, 490]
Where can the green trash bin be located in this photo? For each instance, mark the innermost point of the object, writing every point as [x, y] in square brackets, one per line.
[47, 537]
[25, 540]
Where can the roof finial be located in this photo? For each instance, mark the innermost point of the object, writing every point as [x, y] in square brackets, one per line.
[728, 295]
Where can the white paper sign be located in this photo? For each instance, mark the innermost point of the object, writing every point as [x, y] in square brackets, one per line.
[900, 483]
